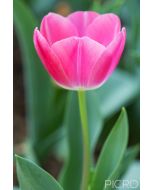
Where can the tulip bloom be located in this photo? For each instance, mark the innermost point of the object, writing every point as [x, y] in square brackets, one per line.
[82, 50]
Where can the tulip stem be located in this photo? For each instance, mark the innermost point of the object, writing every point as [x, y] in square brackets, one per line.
[85, 140]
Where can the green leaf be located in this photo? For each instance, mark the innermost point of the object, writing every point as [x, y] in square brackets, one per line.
[41, 95]
[32, 177]
[74, 136]
[120, 89]
[112, 152]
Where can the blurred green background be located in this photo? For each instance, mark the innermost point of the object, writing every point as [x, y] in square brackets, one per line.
[46, 118]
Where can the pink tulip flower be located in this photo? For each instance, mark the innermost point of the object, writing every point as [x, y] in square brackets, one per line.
[82, 50]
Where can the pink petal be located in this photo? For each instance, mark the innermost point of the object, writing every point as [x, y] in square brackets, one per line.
[82, 20]
[104, 28]
[55, 27]
[108, 60]
[77, 57]
[43, 50]
[116, 47]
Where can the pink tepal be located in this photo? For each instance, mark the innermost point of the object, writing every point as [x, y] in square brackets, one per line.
[82, 50]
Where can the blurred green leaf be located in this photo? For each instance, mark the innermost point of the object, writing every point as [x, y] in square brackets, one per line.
[15, 188]
[108, 6]
[40, 92]
[42, 7]
[32, 177]
[38, 86]
[74, 163]
[130, 15]
[132, 19]
[133, 111]
[133, 173]
[120, 89]
[53, 133]
[51, 142]
[74, 135]
[112, 152]
[78, 5]
[95, 120]
[129, 157]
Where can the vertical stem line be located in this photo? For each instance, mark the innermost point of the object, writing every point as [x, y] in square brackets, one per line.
[85, 140]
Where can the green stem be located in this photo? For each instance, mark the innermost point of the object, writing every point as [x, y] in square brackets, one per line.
[85, 139]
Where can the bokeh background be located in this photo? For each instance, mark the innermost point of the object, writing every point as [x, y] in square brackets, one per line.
[43, 130]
